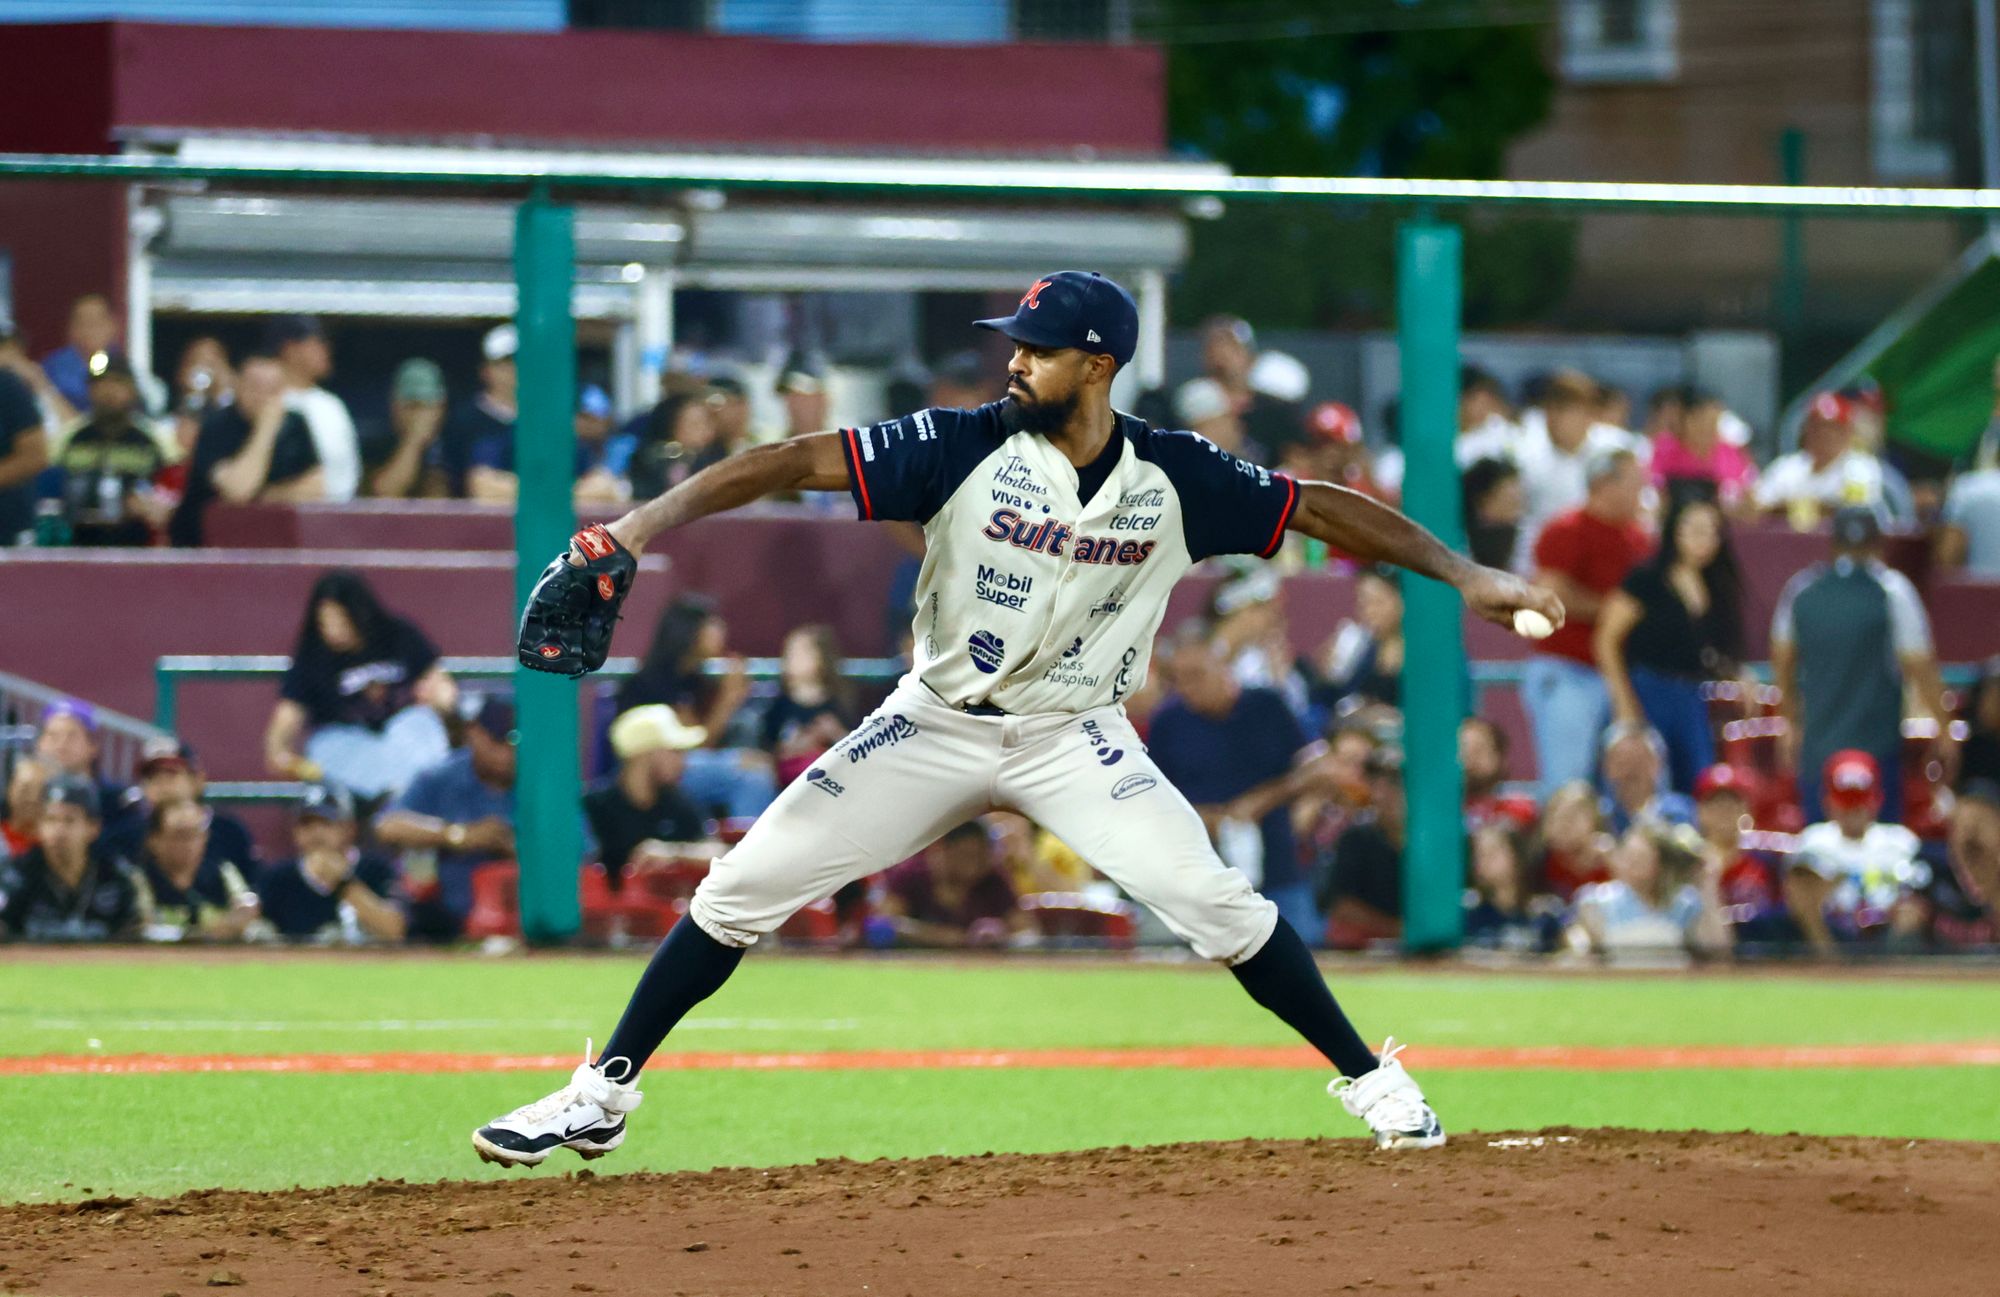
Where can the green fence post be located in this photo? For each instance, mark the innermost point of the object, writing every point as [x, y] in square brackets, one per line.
[549, 834]
[1434, 671]
[166, 700]
[1791, 294]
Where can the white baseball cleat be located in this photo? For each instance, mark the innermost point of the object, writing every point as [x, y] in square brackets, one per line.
[1389, 1100]
[587, 1116]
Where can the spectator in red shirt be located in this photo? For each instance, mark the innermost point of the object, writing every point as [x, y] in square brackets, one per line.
[1482, 755]
[1582, 555]
[26, 787]
[1751, 896]
[1964, 894]
[1574, 848]
[953, 895]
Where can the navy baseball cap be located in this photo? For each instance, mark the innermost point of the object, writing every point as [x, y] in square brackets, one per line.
[328, 802]
[1074, 308]
[74, 790]
[1856, 525]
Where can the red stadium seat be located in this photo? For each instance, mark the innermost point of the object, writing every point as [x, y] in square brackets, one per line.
[632, 913]
[817, 924]
[496, 901]
[1075, 915]
[670, 880]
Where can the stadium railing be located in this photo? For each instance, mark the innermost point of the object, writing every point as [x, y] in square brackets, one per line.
[169, 671]
[120, 737]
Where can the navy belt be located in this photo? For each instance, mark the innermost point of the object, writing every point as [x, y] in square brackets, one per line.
[970, 709]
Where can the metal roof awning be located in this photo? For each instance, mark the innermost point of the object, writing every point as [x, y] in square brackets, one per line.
[452, 257]
[417, 248]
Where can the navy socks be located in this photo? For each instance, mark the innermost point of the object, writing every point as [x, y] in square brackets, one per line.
[1283, 978]
[688, 967]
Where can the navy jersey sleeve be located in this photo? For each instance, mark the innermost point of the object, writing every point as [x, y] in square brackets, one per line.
[903, 470]
[1228, 505]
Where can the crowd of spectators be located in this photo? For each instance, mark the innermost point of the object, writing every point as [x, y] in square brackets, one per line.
[1634, 833]
[95, 453]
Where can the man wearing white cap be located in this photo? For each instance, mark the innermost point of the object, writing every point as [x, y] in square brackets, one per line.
[1204, 406]
[477, 448]
[640, 809]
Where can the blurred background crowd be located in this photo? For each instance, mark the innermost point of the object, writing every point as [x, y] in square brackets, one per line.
[1667, 800]
[269, 425]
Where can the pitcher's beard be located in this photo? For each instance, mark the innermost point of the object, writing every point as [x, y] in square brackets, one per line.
[1043, 418]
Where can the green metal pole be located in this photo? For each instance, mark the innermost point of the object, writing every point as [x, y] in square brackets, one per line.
[1791, 296]
[166, 697]
[1434, 673]
[549, 832]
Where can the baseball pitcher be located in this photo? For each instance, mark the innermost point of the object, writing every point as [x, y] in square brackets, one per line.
[1056, 527]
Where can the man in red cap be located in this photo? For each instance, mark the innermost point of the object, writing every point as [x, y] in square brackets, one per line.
[1853, 877]
[1332, 449]
[1723, 796]
[1826, 472]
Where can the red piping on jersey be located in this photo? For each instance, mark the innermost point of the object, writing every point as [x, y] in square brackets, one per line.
[1291, 503]
[860, 478]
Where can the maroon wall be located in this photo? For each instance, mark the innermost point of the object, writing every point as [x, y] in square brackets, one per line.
[66, 239]
[95, 622]
[586, 86]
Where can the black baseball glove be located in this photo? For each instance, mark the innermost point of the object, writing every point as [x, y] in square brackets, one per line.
[566, 627]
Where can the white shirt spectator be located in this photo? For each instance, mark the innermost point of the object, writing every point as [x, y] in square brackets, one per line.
[1872, 870]
[1973, 507]
[1553, 480]
[1852, 477]
[1496, 438]
[1630, 923]
[334, 438]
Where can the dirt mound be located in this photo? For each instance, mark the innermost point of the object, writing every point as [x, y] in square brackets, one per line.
[1599, 1211]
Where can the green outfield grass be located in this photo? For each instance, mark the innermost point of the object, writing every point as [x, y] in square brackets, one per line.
[159, 1134]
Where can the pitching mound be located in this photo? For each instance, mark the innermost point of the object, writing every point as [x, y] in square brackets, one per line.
[1597, 1211]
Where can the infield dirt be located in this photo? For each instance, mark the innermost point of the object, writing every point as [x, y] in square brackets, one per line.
[1576, 1211]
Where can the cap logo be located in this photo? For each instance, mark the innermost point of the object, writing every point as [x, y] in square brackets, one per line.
[1091, 335]
[1032, 298]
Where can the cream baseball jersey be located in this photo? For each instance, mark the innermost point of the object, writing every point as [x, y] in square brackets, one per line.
[1043, 585]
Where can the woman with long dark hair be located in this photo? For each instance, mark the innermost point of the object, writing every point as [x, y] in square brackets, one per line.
[1676, 622]
[677, 440]
[729, 775]
[814, 708]
[364, 701]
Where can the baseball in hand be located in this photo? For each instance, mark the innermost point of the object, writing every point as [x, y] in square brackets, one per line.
[1532, 625]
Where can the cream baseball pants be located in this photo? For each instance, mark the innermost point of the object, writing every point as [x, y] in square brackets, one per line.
[918, 767]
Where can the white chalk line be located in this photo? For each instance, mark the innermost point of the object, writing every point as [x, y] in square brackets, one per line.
[100, 1024]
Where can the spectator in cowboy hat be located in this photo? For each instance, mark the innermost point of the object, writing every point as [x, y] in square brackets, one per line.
[639, 810]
